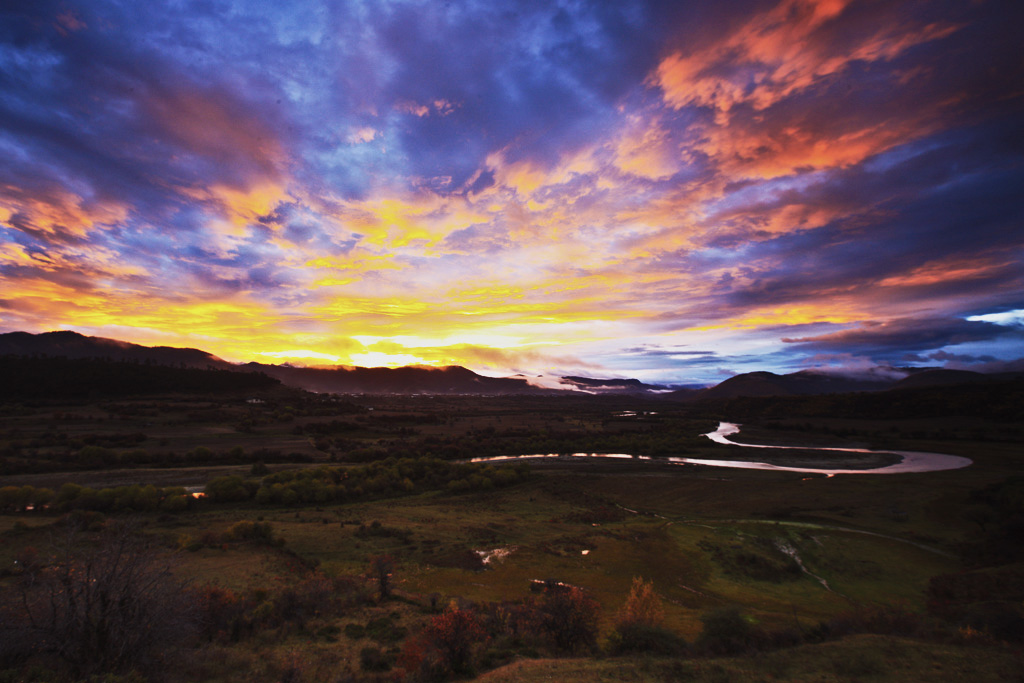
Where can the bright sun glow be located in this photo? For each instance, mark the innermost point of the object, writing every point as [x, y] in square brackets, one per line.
[376, 359]
[673, 201]
[301, 354]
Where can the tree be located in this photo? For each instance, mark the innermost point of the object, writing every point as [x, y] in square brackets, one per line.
[382, 568]
[639, 624]
[452, 635]
[101, 605]
[642, 606]
[570, 617]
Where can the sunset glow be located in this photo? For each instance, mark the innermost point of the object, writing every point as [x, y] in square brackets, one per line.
[671, 191]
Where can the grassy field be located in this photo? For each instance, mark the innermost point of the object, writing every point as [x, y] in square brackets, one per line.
[791, 551]
[858, 658]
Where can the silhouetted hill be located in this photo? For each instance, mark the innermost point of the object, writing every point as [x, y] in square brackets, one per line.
[72, 345]
[33, 378]
[803, 383]
[342, 380]
[458, 380]
[405, 380]
[940, 378]
[998, 397]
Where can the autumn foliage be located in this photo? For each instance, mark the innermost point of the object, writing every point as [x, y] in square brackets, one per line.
[446, 644]
[639, 624]
[570, 618]
[642, 606]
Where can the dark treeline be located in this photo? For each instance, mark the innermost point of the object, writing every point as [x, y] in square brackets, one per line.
[392, 477]
[662, 437]
[28, 378]
[18, 459]
[389, 477]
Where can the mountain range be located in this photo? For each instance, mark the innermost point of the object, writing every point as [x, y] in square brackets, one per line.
[458, 380]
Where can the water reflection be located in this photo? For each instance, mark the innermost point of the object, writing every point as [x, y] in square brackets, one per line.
[910, 461]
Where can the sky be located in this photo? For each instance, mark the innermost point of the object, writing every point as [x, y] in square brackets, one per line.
[674, 191]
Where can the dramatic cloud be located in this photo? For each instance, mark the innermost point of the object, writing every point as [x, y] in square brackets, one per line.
[903, 335]
[672, 191]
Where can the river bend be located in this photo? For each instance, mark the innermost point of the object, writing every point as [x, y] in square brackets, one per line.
[910, 461]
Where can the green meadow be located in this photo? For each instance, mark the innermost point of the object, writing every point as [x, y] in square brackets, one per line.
[827, 578]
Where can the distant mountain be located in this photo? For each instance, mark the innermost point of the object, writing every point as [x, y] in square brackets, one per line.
[803, 383]
[73, 345]
[997, 397]
[341, 380]
[940, 378]
[405, 380]
[50, 377]
[813, 383]
[459, 380]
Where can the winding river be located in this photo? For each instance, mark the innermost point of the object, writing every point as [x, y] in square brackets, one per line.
[910, 461]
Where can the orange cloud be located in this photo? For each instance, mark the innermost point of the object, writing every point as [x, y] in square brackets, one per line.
[831, 309]
[760, 150]
[647, 151]
[948, 270]
[780, 52]
[396, 220]
[240, 208]
[57, 212]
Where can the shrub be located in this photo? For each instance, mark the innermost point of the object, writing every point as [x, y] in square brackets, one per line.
[382, 568]
[228, 490]
[638, 626]
[373, 659]
[726, 631]
[642, 606]
[570, 618]
[257, 532]
[998, 619]
[452, 634]
[103, 605]
[385, 630]
[884, 620]
[636, 637]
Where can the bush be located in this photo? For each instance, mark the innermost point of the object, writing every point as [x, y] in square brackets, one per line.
[256, 532]
[642, 606]
[453, 635]
[384, 630]
[999, 620]
[229, 489]
[638, 626]
[727, 631]
[570, 618]
[382, 568]
[637, 637]
[895, 620]
[100, 605]
[373, 659]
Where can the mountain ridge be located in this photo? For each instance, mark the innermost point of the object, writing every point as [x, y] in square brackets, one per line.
[339, 379]
[458, 380]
